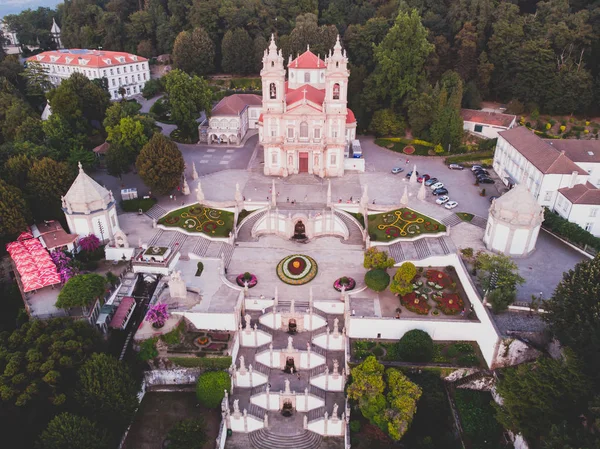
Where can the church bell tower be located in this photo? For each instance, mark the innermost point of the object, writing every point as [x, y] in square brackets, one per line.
[273, 80]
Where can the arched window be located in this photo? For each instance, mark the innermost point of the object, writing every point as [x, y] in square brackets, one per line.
[337, 65]
[336, 91]
[273, 91]
[272, 63]
[306, 77]
[304, 130]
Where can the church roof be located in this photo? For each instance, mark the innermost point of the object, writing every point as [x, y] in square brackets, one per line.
[350, 116]
[313, 95]
[307, 60]
[85, 195]
[235, 104]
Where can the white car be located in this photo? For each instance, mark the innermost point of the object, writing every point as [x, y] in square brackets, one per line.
[443, 199]
[450, 204]
[437, 185]
[476, 167]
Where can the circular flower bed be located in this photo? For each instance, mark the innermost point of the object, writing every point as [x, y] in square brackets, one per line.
[450, 303]
[202, 340]
[409, 149]
[346, 282]
[196, 210]
[415, 303]
[250, 278]
[297, 269]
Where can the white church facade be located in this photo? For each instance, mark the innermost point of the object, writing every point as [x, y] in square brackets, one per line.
[305, 123]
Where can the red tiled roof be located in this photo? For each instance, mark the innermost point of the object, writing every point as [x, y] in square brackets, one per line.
[487, 118]
[53, 234]
[307, 60]
[102, 148]
[260, 118]
[313, 95]
[581, 194]
[540, 153]
[34, 264]
[86, 58]
[350, 116]
[235, 104]
[578, 150]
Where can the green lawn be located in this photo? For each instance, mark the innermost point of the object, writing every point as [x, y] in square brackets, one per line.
[465, 216]
[402, 223]
[202, 219]
[470, 157]
[359, 217]
[398, 144]
[481, 430]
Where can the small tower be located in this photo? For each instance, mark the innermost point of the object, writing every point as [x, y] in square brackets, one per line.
[55, 33]
[273, 80]
[336, 80]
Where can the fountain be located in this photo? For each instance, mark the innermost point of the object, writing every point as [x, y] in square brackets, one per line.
[290, 366]
[292, 327]
[288, 409]
[300, 232]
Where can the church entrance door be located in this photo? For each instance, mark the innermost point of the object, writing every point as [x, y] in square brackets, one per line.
[303, 162]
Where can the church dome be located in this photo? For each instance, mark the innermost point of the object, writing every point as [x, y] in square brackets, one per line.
[85, 195]
[517, 206]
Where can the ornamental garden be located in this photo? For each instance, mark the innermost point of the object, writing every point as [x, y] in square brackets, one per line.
[198, 218]
[297, 269]
[402, 223]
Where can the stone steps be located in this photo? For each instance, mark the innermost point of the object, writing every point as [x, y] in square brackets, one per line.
[452, 220]
[244, 233]
[155, 238]
[267, 439]
[355, 236]
[480, 222]
[396, 252]
[422, 249]
[156, 212]
[201, 246]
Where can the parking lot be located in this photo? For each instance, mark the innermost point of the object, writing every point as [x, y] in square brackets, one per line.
[460, 183]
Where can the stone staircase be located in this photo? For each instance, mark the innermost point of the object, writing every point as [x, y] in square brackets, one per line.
[444, 244]
[480, 222]
[244, 233]
[422, 248]
[155, 238]
[452, 220]
[214, 249]
[201, 246]
[268, 439]
[227, 252]
[156, 212]
[355, 233]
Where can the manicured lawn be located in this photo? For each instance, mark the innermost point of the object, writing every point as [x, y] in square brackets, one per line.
[401, 223]
[202, 219]
[137, 204]
[470, 157]
[398, 144]
[477, 416]
[359, 217]
[464, 216]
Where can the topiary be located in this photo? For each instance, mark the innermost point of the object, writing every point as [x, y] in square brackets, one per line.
[200, 269]
[416, 346]
[377, 279]
[211, 387]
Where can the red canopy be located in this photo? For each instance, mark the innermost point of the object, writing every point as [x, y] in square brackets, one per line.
[122, 314]
[33, 263]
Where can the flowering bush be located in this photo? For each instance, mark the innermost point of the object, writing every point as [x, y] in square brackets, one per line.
[249, 278]
[347, 282]
[548, 126]
[158, 315]
[449, 303]
[90, 243]
[415, 303]
[438, 277]
[64, 264]
[562, 128]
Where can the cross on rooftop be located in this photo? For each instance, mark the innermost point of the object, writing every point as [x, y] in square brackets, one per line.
[304, 93]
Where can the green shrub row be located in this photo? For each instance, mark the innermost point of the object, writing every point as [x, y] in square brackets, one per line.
[569, 231]
[139, 203]
[208, 363]
[471, 157]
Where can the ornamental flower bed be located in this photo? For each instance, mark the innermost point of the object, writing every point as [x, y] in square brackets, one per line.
[409, 149]
[202, 340]
[219, 336]
[439, 277]
[297, 269]
[347, 282]
[158, 315]
[450, 303]
[402, 223]
[197, 218]
[246, 278]
[215, 347]
[415, 303]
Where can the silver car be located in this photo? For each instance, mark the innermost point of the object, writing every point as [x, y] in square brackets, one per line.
[437, 185]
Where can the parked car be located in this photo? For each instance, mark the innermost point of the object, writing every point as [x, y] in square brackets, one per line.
[431, 181]
[481, 171]
[437, 185]
[443, 199]
[455, 167]
[492, 198]
[423, 178]
[409, 174]
[441, 191]
[485, 181]
[476, 167]
[450, 204]
[397, 170]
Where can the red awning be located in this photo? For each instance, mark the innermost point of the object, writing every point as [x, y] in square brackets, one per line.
[33, 263]
[122, 314]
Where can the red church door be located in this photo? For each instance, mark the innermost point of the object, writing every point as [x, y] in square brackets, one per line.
[303, 162]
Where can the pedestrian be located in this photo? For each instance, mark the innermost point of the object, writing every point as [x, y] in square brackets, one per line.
[305, 197]
[288, 199]
[340, 201]
[350, 199]
[244, 198]
[373, 201]
[182, 203]
[406, 161]
[179, 188]
[267, 198]
[170, 197]
[174, 197]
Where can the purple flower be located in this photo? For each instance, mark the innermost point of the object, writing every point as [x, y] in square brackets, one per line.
[89, 243]
[158, 314]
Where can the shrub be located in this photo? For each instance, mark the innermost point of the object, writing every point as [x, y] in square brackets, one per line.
[81, 291]
[354, 426]
[187, 434]
[416, 346]
[439, 149]
[377, 279]
[211, 387]
[200, 269]
[152, 88]
[148, 349]
[467, 252]
[468, 360]
[173, 337]
[377, 351]
[208, 363]
[562, 128]
[139, 203]
[548, 126]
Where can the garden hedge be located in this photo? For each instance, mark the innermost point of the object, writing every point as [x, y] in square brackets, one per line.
[209, 363]
[211, 387]
[137, 204]
[416, 346]
[569, 231]
[377, 279]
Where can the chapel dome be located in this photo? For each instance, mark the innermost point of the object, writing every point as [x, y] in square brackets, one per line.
[85, 195]
[517, 206]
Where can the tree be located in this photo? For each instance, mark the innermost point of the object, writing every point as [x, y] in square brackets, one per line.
[387, 399]
[377, 279]
[117, 161]
[194, 52]
[415, 346]
[188, 434]
[160, 164]
[387, 123]
[500, 298]
[36, 78]
[68, 431]
[402, 282]
[48, 181]
[16, 170]
[188, 95]
[539, 394]
[211, 386]
[400, 60]
[377, 259]
[87, 158]
[466, 50]
[447, 125]
[129, 135]
[121, 109]
[497, 271]
[62, 135]
[420, 114]
[573, 313]
[106, 390]
[13, 210]
[234, 48]
[81, 291]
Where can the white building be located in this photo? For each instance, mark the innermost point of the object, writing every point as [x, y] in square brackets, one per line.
[486, 124]
[231, 119]
[305, 124]
[90, 209]
[514, 223]
[568, 170]
[120, 69]
[11, 43]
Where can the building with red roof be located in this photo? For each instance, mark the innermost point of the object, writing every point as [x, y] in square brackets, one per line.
[121, 70]
[231, 118]
[486, 124]
[305, 125]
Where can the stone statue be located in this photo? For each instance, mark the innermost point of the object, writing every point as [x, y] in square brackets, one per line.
[194, 172]
[177, 286]
[404, 199]
[247, 319]
[336, 366]
[334, 413]
[242, 365]
[290, 346]
[199, 193]
[236, 406]
[186, 188]
[336, 325]
[287, 387]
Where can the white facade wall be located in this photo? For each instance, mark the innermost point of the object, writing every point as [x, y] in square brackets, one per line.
[245, 424]
[300, 77]
[211, 321]
[487, 131]
[132, 76]
[585, 215]
[304, 403]
[593, 169]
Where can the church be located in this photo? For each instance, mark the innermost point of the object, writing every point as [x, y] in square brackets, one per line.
[305, 125]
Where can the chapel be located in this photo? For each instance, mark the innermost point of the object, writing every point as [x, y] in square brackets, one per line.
[305, 125]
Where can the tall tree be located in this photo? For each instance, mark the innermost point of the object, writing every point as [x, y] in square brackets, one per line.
[194, 52]
[188, 95]
[13, 210]
[466, 51]
[160, 164]
[68, 431]
[235, 47]
[37, 80]
[447, 125]
[48, 181]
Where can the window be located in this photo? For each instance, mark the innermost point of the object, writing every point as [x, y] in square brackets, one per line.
[478, 128]
[272, 91]
[139, 77]
[593, 212]
[111, 72]
[273, 130]
[118, 70]
[144, 77]
[333, 159]
[336, 91]
[103, 72]
[128, 91]
[272, 64]
[137, 67]
[125, 69]
[290, 133]
[548, 196]
[120, 81]
[589, 226]
[304, 130]
[126, 80]
[274, 158]
[337, 65]
[306, 77]
[113, 81]
[317, 133]
[560, 201]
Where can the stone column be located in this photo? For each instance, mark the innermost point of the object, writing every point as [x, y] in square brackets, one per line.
[268, 393]
[250, 374]
[329, 193]
[306, 399]
[256, 335]
[271, 354]
[245, 421]
[326, 418]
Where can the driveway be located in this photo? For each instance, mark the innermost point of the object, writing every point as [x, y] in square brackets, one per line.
[460, 183]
